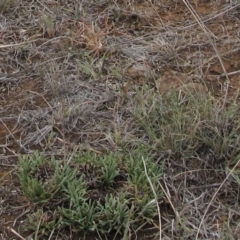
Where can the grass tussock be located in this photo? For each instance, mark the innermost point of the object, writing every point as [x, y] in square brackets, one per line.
[190, 124]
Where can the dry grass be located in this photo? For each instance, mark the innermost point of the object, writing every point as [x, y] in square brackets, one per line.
[85, 76]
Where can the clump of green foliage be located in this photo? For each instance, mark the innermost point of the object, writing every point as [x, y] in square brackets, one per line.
[93, 193]
[186, 124]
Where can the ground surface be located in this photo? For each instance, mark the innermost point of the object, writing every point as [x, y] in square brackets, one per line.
[69, 68]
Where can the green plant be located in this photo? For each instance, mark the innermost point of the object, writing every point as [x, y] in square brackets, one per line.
[90, 66]
[109, 169]
[43, 222]
[74, 191]
[48, 25]
[145, 204]
[184, 125]
[135, 169]
[86, 158]
[37, 177]
[129, 205]
[79, 216]
[113, 214]
[42, 178]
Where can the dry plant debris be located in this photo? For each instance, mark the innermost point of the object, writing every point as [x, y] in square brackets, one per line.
[107, 76]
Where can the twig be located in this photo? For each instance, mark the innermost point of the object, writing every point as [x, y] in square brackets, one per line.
[169, 200]
[40, 95]
[21, 215]
[205, 186]
[207, 32]
[231, 73]
[156, 199]
[17, 234]
[215, 194]
[17, 44]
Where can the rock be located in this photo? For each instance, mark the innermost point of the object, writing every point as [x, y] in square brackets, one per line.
[137, 71]
[193, 88]
[172, 81]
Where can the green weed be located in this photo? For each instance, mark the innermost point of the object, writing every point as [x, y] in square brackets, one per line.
[127, 201]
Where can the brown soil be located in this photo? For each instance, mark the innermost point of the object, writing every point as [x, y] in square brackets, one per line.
[126, 44]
